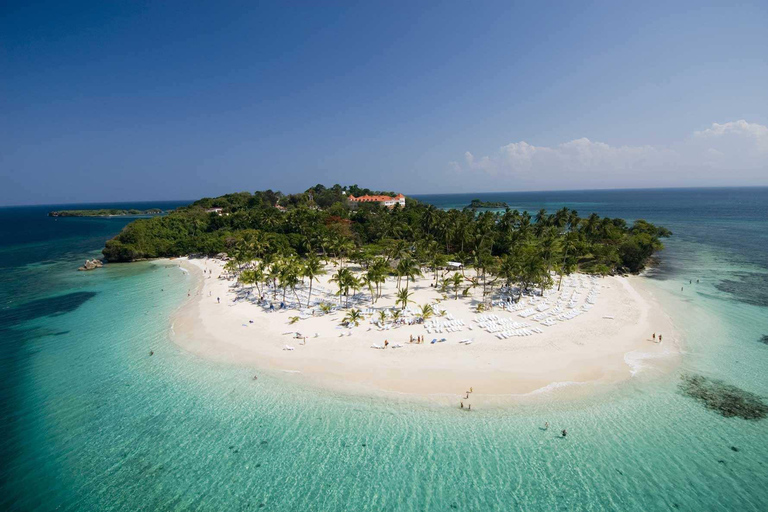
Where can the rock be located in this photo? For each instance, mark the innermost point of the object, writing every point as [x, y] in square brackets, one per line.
[91, 264]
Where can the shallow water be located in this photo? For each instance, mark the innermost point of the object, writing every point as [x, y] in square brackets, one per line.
[93, 422]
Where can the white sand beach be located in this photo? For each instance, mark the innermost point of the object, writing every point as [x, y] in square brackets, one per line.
[594, 331]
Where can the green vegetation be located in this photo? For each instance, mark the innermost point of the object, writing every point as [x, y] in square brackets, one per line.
[286, 246]
[476, 203]
[103, 213]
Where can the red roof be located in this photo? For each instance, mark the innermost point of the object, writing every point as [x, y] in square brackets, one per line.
[379, 199]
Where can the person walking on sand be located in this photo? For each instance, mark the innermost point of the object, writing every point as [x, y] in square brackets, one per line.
[461, 406]
[654, 337]
[659, 338]
[386, 343]
[218, 300]
[469, 407]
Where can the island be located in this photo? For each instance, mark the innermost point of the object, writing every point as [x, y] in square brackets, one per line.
[104, 212]
[376, 297]
[477, 203]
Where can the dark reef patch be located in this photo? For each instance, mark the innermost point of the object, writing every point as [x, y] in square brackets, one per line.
[750, 288]
[51, 306]
[723, 398]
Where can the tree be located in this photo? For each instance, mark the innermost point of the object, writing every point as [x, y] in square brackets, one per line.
[289, 276]
[311, 269]
[353, 316]
[346, 281]
[456, 281]
[426, 311]
[407, 269]
[341, 278]
[319, 221]
[403, 297]
[437, 260]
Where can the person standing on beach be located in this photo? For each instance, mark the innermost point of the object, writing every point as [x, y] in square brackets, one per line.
[654, 337]
[218, 300]
[659, 338]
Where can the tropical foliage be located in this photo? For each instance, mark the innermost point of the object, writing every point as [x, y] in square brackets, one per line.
[368, 243]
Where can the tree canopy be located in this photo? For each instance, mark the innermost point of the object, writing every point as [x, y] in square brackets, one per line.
[509, 246]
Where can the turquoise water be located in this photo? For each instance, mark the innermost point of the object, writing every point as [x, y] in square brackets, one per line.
[92, 422]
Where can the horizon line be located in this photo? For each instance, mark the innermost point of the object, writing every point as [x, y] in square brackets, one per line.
[406, 194]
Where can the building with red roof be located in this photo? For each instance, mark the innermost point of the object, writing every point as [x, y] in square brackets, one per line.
[387, 201]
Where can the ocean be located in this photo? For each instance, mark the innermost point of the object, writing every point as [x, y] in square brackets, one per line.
[91, 421]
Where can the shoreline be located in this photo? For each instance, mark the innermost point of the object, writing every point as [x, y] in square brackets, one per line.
[585, 355]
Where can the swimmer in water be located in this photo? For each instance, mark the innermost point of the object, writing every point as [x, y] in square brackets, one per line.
[565, 432]
[546, 425]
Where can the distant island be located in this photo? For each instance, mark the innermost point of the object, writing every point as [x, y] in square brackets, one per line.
[104, 213]
[477, 203]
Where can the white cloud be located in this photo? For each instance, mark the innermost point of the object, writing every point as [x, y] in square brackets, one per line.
[757, 132]
[736, 147]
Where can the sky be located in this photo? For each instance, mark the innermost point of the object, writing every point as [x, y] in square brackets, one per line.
[129, 101]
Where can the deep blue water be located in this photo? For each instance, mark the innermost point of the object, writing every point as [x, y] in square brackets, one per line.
[90, 422]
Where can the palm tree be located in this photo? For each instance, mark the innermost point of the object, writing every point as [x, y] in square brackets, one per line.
[253, 276]
[275, 270]
[369, 279]
[426, 311]
[289, 276]
[436, 261]
[353, 316]
[346, 280]
[382, 316]
[311, 269]
[407, 268]
[325, 308]
[456, 281]
[403, 297]
[380, 269]
[340, 278]
[567, 266]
